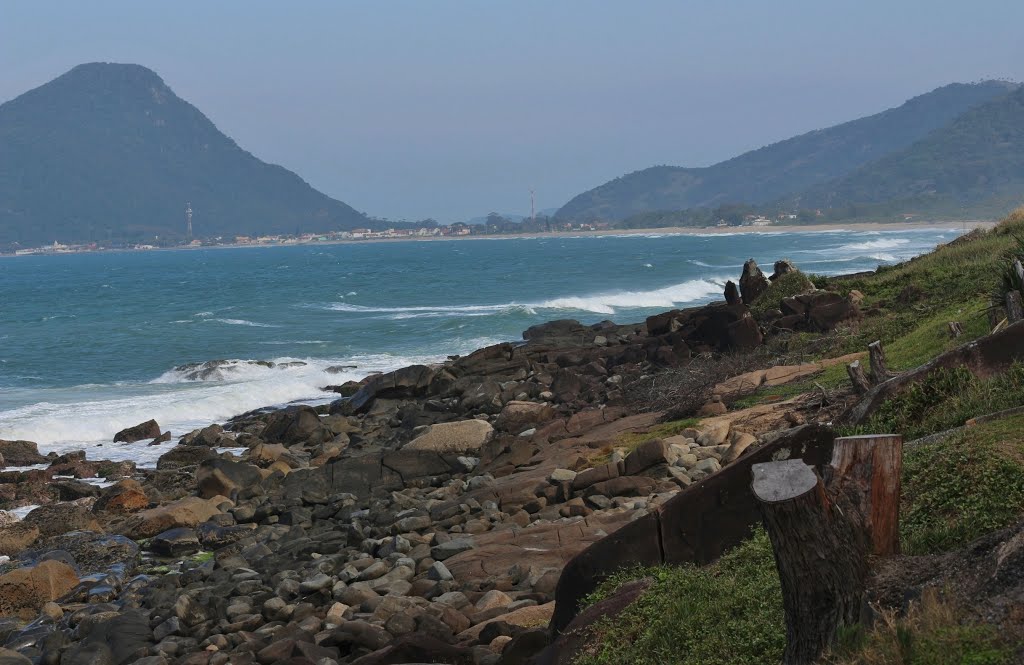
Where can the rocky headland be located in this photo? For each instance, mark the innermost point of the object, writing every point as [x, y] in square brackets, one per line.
[453, 513]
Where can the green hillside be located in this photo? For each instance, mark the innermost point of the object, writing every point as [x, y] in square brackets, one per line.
[108, 151]
[975, 163]
[784, 168]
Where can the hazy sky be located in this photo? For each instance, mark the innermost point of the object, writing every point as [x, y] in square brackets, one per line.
[453, 109]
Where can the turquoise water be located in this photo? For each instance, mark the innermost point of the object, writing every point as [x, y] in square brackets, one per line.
[89, 343]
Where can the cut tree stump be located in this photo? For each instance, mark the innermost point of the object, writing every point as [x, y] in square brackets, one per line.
[820, 553]
[879, 370]
[857, 377]
[866, 470]
[955, 329]
[1014, 307]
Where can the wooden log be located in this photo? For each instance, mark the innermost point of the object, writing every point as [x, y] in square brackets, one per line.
[820, 555]
[866, 471]
[1019, 269]
[879, 370]
[1014, 307]
[955, 329]
[857, 377]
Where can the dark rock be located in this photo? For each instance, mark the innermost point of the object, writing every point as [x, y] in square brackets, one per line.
[175, 542]
[147, 430]
[182, 456]
[418, 648]
[819, 311]
[297, 424]
[732, 294]
[752, 282]
[623, 486]
[125, 496]
[781, 268]
[119, 640]
[524, 646]
[61, 518]
[163, 438]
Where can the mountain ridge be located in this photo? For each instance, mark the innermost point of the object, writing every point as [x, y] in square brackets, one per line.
[108, 150]
[786, 167]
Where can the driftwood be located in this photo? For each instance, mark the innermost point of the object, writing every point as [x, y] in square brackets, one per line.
[857, 377]
[823, 531]
[879, 370]
[1014, 307]
[819, 552]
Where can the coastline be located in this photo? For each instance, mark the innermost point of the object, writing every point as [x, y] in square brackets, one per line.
[894, 227]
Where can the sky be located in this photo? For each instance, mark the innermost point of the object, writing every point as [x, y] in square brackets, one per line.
[452, 109]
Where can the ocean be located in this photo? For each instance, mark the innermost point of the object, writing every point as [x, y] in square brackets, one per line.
[93, 343]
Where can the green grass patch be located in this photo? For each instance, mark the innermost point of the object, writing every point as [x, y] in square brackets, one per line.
[628, 441]
[962, 487]
[729, 613]
[944, 399]
[791, 284]
[829, 378]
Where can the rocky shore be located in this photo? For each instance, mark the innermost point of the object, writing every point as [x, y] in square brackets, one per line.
[430, 514]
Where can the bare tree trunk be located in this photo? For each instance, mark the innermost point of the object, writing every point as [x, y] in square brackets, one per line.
[857, 377]
[879, 370]
[820, 554]
[866, 471]
[1014, 307]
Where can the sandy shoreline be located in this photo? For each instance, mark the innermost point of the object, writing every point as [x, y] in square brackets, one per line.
[671, 230]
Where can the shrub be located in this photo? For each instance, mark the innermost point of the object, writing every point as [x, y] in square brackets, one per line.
[790, 284]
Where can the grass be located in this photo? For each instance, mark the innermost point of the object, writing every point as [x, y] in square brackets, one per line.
[945, 399]
[790, 284]
[727, 613]
[931, 633]
[962, 487]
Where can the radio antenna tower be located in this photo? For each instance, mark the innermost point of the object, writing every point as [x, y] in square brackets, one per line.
[533, 210]
[188, 220]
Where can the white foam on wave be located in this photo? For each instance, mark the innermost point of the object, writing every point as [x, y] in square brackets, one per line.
[667, 297]
[243, 322]
[74, 420]
[887, 243]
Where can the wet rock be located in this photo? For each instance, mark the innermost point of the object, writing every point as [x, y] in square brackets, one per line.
[732, 293]
[300, 424]
[187, 512]
[148, 430]
[175, 542]
[60, 518]
[21, 453]
[182, 456]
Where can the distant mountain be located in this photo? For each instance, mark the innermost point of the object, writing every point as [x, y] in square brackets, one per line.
[785, 168]
[976, 162]
[108, 151]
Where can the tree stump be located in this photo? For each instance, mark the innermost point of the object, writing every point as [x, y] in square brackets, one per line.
[866, 470]
[820, 554]
[1014, 307]
[857, 377]
[879, 370]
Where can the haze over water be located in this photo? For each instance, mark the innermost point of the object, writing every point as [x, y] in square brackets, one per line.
[89, 342]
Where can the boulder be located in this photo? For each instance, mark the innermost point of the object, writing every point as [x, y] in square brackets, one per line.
[17, 537]
[21, 453]
[209, 436]
[182, 456]
[175, 542]
[297, 424]
[220, 477]
[463, 436]
[732, 294]
[60, 518]
[517, 416]
[148, 430]
[819, 311]
[781, 268]
[623, 486]
[739, 442]
[648, 454]
[125, 496]
[187, 512]
[24, 591]
[11, 657]
[752, 282]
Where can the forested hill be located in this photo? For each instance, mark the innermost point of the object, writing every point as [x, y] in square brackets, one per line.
[784, 168]
[976, 162]
[108, 151]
